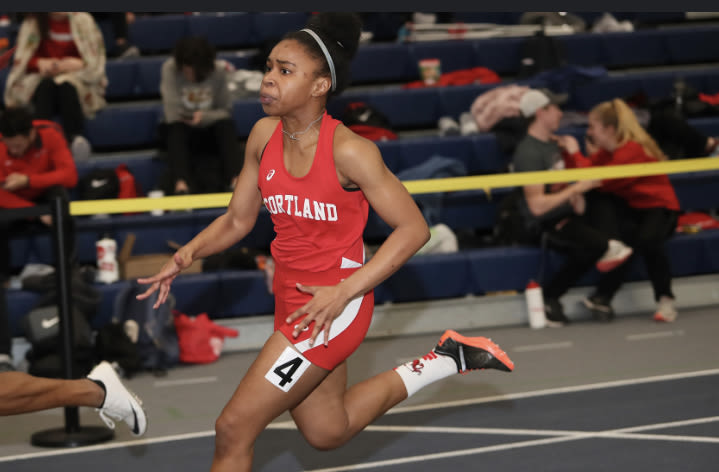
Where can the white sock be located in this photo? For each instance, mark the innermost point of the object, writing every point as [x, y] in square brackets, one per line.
[419, 373]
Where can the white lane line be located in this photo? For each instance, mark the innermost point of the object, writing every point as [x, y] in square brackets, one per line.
[660, 437]
[544, 347]
[572, 436]
[445, 455]
[552, 391]
[105, 447]
[289, 425]
[670, 424]
[429, 406]
[192, 381]
[656, 335]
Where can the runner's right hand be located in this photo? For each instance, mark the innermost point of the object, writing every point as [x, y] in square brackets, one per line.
[163, 279]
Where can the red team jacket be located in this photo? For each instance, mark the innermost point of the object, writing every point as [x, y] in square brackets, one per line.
[48, 162]
[650, 191]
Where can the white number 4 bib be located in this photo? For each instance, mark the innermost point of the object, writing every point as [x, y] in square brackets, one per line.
[287, 369]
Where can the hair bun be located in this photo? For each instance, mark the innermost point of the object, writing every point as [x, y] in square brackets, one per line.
[344, 28]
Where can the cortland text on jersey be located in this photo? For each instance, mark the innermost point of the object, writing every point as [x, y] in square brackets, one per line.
[292, 205]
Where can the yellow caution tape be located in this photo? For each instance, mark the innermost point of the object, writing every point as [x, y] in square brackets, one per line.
[453, 184]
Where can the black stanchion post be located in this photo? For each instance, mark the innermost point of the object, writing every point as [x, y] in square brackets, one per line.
[72, 435]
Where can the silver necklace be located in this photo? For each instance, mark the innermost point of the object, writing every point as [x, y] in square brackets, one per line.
[296, 135]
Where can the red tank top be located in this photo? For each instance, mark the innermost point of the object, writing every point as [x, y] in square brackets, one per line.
[318, 224]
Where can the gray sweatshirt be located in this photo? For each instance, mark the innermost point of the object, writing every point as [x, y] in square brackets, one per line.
[180, 98]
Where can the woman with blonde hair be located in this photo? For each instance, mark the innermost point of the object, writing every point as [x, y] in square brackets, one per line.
[643, 210]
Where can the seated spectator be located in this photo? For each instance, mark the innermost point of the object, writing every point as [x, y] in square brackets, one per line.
[59, 68]
[119, 21]
[643, 210]
[203, 153]
[36, 166]
[556, 209]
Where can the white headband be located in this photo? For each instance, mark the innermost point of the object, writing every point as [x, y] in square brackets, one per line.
[327, 56]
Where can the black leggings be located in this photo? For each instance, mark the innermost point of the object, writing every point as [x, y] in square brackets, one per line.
[583, 245]
[51, 99]
[206, 158]
[646, 230]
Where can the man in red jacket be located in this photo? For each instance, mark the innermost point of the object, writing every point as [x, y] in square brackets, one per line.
[36, 165]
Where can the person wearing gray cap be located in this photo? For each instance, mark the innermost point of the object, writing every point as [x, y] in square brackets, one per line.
[554, 211]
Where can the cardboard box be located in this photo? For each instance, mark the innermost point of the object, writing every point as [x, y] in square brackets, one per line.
[145, 265]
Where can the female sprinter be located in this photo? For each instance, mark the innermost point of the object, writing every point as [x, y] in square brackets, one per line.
[317, 178]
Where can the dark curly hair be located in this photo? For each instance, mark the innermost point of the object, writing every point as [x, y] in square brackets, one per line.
[195, 52]
[340, 33]
[16, 121]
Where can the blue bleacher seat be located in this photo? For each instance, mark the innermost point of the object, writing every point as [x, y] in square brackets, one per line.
[157, 33]
[418, 280]
[270, 26]
[502, 55]
[222, 29]
[698, 44]
[134, 125]
[243, 291]
[584, 49]
[475, 271]
[383, 63]
[127, 126]
[122, 79]
[636, 48]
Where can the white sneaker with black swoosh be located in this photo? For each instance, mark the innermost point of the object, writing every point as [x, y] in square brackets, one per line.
[120, 403]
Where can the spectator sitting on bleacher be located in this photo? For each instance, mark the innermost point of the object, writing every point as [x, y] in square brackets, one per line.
[203, 153]
[556, 210]
[642, 209]
[36, 166]
[59, 67]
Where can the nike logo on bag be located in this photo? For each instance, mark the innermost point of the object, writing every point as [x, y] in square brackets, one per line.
[270, 174]
[365, 116]
[50, 322]
[97, 183]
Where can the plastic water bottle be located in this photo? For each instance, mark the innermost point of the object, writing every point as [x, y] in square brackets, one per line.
[535, 305]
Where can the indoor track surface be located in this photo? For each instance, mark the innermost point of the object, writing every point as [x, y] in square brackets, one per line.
[632, 395]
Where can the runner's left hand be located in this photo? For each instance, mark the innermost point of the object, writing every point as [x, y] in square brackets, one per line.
[325, 306]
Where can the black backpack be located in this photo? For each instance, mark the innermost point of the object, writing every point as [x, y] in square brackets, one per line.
[510, 226]
[99, 184]
[156, 337]
[41, 325]
[361, 113]
[539, 53]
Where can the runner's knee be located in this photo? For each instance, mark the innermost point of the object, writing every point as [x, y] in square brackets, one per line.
[327, 437]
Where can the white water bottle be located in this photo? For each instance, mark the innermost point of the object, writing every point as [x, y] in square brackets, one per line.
[107, 268]
[535, 305]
